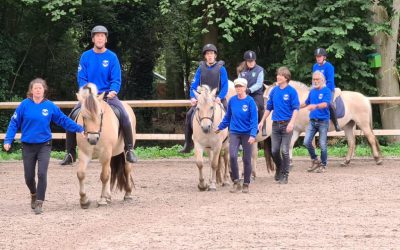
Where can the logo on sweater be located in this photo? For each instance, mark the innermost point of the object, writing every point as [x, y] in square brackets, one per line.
[105, 63]
[320, 96]
[245, 108]
[253, 74]
[15, 115]
[45, 112]
[79, 68]
[285, 97]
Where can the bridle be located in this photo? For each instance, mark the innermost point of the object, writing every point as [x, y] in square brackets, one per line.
[211, 118]
[101, 119]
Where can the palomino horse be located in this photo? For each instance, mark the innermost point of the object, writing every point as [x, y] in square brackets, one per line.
[206, 118]
[104, 142]
[358, 112]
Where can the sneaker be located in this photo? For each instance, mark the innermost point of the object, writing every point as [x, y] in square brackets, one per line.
[33, 201]
[314, 165]
[321, 169]
[236, 187]
[284, 179]
[245, 188]
[38, 207]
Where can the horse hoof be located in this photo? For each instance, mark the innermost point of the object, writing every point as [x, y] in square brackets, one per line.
[345, 164]
[212, 189]
[378, 161]
[201, 188]
[108, 200]
[128, 198]
[86, 204]
[102, 203]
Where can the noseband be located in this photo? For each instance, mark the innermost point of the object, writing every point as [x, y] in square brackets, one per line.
[91, 132]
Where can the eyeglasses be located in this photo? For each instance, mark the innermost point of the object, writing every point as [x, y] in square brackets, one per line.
[316, 79]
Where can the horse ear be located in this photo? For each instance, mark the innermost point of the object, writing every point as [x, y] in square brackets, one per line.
[196, 94]
[101, 96]
[214, 92]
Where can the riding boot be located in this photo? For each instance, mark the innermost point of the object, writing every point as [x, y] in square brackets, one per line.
[188, 139]
[188, 132]
[70, 157]
[128, 140]
[332, 111]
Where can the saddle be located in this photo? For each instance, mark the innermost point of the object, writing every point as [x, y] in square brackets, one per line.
[339, 104]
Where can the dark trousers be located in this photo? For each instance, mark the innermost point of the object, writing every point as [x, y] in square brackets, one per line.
[40, 153]
[234, 142]
[280, 140]
[259, 100]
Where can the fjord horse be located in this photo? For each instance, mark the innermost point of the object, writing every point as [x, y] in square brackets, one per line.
[207, 116]
[104, 141]
[358, 112]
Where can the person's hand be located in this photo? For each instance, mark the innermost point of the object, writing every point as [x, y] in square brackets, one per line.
[289, 127]
[111, 94]
[311, 107]
[251, 140]
[217, 130]
[193, 101]
[7, 147]
[217, 100]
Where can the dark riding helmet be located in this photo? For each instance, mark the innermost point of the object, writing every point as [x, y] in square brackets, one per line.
[320, 52]
[209, 47]
[249, 55]
[99, 29]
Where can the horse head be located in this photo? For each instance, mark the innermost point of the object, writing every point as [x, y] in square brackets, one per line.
[205, 108]
[91, 111]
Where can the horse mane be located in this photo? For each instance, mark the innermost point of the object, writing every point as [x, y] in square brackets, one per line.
[88, 94]
[298, 85]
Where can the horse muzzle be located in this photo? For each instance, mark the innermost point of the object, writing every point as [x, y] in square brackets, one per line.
[206, 129]
[93, 138]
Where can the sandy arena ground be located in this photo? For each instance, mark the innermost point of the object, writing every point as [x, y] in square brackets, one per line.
[357, 207]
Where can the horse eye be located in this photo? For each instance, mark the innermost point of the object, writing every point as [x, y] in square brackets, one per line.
[211, 108]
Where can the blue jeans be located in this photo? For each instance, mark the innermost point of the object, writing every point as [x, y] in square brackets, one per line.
[320, 126]
[280, 140]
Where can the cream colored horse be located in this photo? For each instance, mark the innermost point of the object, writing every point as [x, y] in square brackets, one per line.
[358, 112]
[207, 116]
[105, 143]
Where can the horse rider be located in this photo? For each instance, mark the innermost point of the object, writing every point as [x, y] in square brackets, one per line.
[212, 73]
[317, 103]
[284, 101]
[329, 72]
[101, 66]
[241, 117]
[254, 74]
[33, 117]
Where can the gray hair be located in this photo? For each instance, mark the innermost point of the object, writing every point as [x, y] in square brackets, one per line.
[321, 75]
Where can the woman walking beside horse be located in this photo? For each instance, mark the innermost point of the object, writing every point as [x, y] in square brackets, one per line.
[241, 117]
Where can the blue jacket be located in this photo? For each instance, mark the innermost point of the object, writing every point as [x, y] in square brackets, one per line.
[329, 72]
[102, 69]
[283, 102]
[241, 116]
[34, 121]
[317, 96]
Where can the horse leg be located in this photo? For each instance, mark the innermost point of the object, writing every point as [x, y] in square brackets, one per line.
[373, 143]
[295, 136]
[351, 142]
[198, 152]
[226, 166]
[129, 181]
[105, 175]
[220, 169]
[214, 157]
[254, 154]
[81, 173]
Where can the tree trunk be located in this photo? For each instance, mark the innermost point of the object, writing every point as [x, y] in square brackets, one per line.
[388, 80]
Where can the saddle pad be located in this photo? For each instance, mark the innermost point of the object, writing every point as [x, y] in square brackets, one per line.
[340, 110]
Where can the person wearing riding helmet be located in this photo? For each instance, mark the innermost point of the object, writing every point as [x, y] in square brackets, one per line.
[254, 74]
[212, 73]
[101, 66]
[329, 72]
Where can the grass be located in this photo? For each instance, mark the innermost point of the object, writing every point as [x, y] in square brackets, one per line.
[172, 152]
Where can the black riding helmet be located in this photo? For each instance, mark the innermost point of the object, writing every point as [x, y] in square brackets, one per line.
[320, 52]
[209, 47]
[99, 29]
[249, 55]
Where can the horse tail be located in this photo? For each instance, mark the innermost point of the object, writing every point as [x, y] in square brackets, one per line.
[268, 154]
[118, 174]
